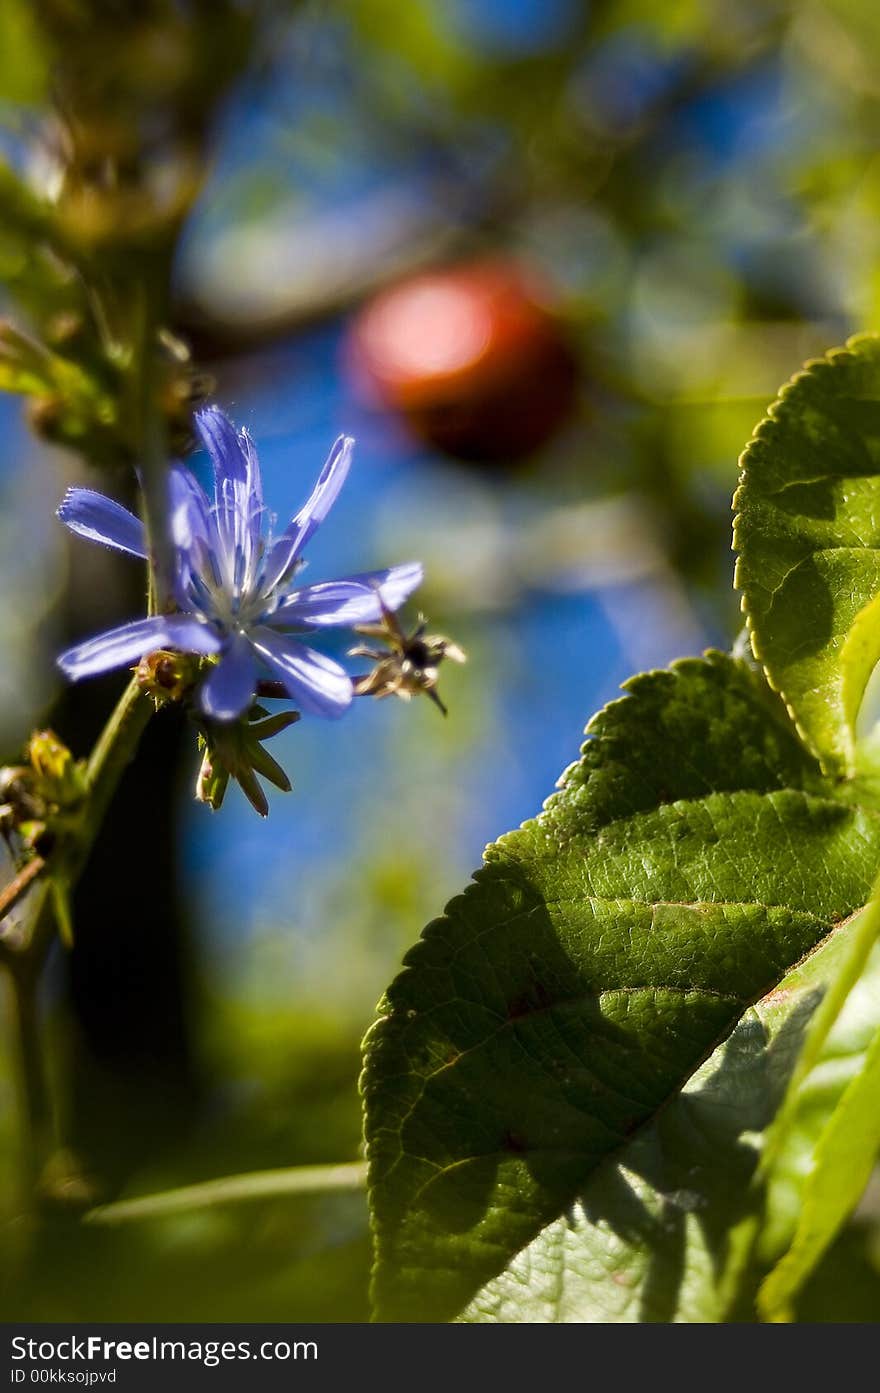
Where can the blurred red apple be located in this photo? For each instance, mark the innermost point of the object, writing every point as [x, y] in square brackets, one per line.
[470, 356]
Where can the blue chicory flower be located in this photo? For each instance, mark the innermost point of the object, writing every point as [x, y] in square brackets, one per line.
[232, 582]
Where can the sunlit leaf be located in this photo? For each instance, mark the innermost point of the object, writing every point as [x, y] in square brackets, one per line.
[844, 1158]
[691, 858]
[847, 976]
[666, 1230]
[808, 538]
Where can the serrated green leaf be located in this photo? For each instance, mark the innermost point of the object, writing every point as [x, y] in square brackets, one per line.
[654, 1236]
[692, 856]
[849, 972]
[807, 534]
[666, 1231]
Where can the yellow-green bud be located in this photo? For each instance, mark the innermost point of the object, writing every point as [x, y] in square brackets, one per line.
[59, 777]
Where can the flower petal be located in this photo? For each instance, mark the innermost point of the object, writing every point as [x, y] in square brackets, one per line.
[228, 690]
[101, 519]
[354, 600]
[219, 438]
[197, 547]
[254, 478]
[238, 494]
[248, 521]
[311, 514]
[316, 683]
[190, 511]
[130, 642]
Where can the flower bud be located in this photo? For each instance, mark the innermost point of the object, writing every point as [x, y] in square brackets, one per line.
[212, 781]
[235, 750]
[60, 779]
[167, 676]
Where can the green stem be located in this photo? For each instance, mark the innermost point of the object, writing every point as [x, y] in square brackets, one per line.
[34, 1099]
[113, 752]
[146, 315]
[256, 1185]
[25, 954]
[111, 755]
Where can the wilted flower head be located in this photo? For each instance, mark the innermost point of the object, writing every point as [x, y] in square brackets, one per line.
[408, 664]
[233, 582]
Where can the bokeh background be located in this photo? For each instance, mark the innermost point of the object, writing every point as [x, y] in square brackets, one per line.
[692, 192]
